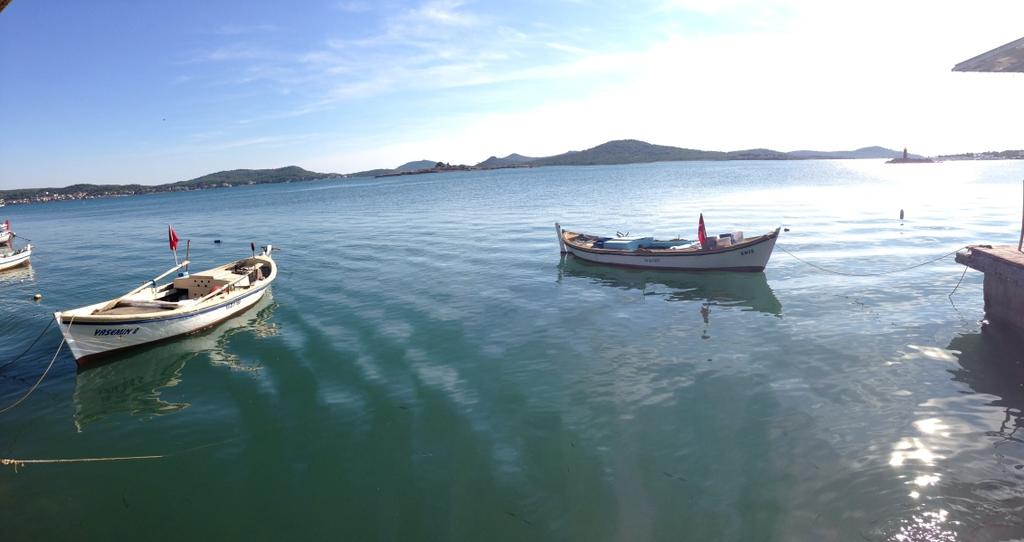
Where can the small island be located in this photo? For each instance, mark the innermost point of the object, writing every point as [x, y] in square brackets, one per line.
[909, 159]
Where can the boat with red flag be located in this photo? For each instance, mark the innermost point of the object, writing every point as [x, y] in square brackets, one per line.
[725, 252]
[153, 312]
[11, 257]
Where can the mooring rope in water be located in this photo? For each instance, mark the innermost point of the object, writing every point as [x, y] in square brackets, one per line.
[42, 376]
[17, 463]
[40, 336]
[890, 272]
[38, 382]
[962, 275]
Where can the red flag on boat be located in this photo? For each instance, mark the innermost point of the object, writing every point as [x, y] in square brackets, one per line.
[172, 238]
[702, 234]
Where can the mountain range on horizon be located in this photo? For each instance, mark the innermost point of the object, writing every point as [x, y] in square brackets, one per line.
[624, 151]
[633, 151]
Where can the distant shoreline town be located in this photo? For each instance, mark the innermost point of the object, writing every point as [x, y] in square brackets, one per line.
[626, 151]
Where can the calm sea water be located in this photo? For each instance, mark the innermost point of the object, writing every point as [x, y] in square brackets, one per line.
[429, 368]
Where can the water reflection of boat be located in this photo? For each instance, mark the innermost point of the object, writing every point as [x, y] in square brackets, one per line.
[20, 274]
[135, 388]
[747, 290]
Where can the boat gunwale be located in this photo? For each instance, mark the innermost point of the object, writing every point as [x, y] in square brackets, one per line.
[644, 252]
[18, 256]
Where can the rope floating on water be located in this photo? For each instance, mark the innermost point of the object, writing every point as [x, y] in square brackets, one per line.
[890, 272]
[16, 463]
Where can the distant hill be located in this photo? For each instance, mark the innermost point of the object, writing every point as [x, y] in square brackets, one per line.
[236, 177]
[371, 172]
[626, 151]
[510, 160]
[866, 152]
[756, 154]
[404, 168]
[418, 164]
[987, 155]
[81, 188]
[632, 151]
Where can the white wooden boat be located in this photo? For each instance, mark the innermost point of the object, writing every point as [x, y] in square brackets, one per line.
[728, 252]
[15, 258]
[150, 313]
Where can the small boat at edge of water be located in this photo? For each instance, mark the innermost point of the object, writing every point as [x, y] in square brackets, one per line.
[150, 313]
[16, 258]
[727, 252]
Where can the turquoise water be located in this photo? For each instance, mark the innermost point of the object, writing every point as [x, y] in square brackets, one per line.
[429, 368]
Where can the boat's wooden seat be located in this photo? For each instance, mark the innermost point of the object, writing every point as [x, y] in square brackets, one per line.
[200, 285]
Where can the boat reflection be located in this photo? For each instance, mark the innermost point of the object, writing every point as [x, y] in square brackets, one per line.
[992, 362]
[747, 290]
[17, 274]
[133, 383]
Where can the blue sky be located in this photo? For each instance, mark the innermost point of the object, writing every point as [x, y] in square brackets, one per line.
[151, 92]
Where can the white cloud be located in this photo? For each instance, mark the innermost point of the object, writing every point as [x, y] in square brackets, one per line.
[444, 12]
[565, 48]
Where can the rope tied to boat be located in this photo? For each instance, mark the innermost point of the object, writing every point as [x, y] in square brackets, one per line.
[889, 272]
[42, 376]
[33, 343]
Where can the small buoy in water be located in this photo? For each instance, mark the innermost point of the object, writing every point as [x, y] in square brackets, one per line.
[37, 297]
[785, 229]
[216, 241]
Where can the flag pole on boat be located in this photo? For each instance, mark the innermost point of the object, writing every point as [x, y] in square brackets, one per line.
[702, 235]
[172, 240]
[252, 247]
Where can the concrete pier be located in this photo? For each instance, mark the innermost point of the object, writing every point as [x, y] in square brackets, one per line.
[1003, 266]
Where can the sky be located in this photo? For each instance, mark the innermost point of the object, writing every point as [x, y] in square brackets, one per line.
[127, 91]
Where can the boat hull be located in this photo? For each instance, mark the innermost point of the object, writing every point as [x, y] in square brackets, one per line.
[751, 258]
[92, 341]
[15, 260]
